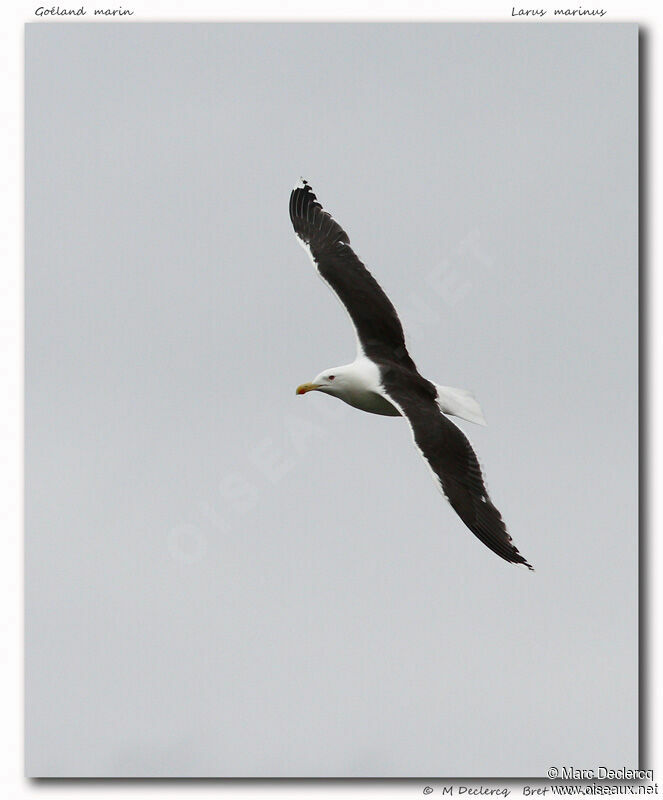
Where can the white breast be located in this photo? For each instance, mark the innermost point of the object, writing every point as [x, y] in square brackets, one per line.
[363, 390]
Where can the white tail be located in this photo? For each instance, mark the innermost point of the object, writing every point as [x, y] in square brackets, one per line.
[460, 403]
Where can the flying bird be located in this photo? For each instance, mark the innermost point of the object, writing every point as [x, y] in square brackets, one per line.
[383, 378]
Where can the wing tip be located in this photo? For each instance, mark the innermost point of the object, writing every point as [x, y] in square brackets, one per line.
[517, 558]
[302, 202]
[311, 222]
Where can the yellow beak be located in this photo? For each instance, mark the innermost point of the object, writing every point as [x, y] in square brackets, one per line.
[307, 387]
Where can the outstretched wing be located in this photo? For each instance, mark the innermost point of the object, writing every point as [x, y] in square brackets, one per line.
[453, 461]
[379, 331]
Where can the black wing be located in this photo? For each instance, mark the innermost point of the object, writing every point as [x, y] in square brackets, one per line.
[452, 460]
[379, 331]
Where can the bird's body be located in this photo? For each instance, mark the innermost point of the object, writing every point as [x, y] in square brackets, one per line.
[383, 379]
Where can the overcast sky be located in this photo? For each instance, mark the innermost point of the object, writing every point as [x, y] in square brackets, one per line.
[226, 579]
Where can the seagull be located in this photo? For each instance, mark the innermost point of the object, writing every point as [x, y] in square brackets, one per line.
[383, 378]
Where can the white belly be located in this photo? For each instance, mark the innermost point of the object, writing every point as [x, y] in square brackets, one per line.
[372, 403]
[363, 390]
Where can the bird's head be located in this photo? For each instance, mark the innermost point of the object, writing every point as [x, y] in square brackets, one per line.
[331, 381]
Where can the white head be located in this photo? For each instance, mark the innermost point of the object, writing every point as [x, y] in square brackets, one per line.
[334, 380]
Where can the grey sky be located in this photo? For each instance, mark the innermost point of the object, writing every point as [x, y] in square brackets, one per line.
[225, 579]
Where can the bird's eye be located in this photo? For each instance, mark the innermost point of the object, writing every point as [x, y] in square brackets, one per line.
[331, 377]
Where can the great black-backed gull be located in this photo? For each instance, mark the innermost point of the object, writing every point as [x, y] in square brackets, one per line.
[383, 379]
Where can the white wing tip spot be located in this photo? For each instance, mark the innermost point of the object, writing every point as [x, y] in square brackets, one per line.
[307, 247]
